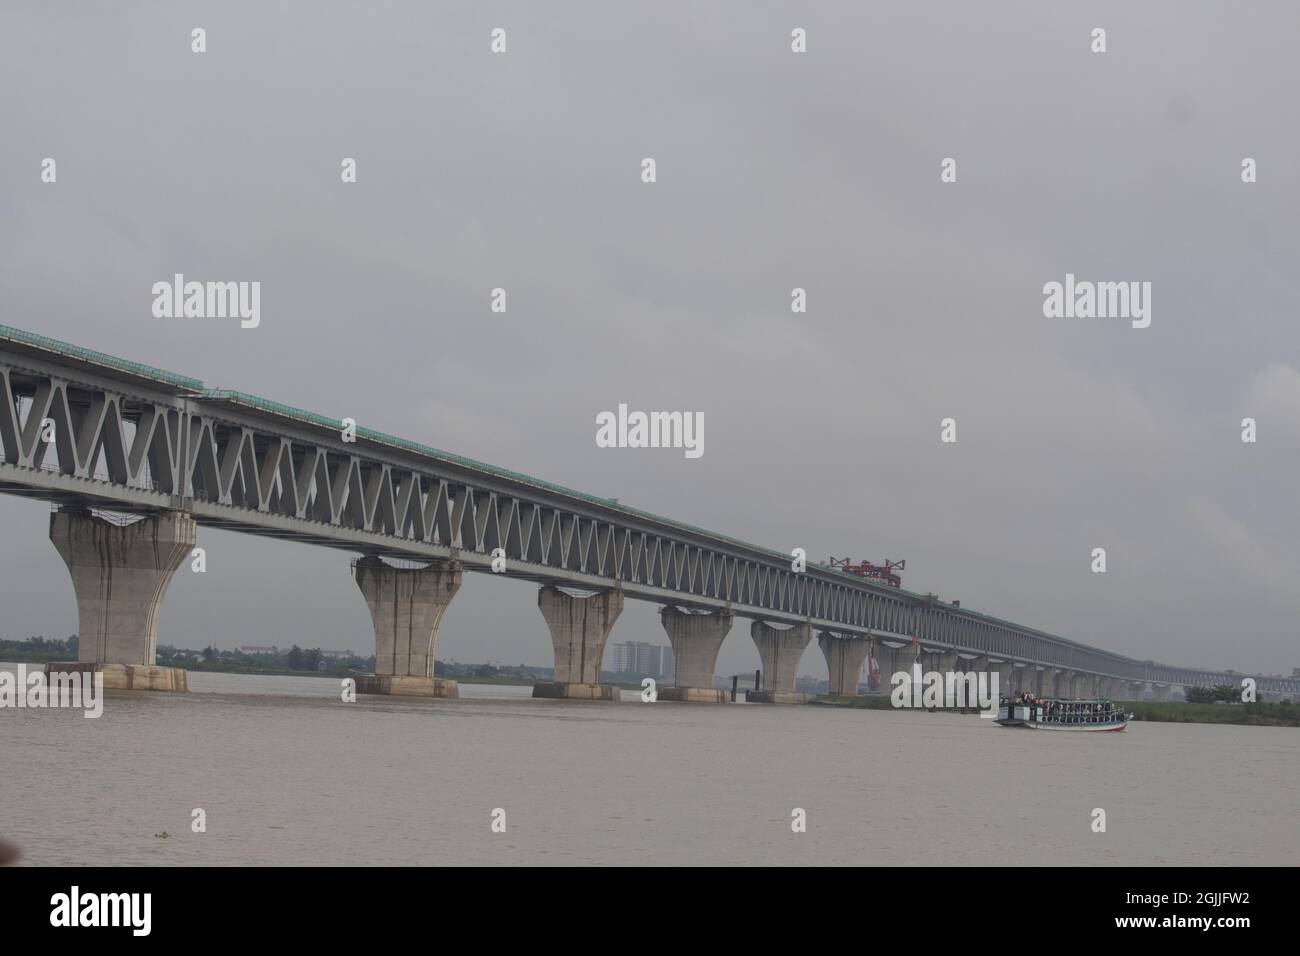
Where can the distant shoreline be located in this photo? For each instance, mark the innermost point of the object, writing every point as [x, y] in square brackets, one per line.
[1170, 712]
[1173, 712]
[269, 670]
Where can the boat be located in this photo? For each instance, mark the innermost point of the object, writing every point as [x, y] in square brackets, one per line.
[1057, 713]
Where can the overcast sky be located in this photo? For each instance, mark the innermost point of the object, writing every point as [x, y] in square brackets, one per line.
[775, 170]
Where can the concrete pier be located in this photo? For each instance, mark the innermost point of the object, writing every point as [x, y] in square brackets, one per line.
[406, 606]
[1006, 672]
[119, 575]
[779, 652]
[983, 664]
[891, 660]
[844, 659]
[125, 676]
[579, 628]
[1009, 677]
[696, 640]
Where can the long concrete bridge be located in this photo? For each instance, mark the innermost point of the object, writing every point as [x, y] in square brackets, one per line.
[90, 432]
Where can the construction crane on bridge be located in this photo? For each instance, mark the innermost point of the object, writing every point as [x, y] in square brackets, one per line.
[884, 573]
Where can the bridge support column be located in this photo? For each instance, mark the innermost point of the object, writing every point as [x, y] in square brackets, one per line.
[1004, 670]
[844, 659]
[986, 665]
[1161, 691]
[892, 660]
[120, 574]
[779, 652]
[406, 606]
[696, 640]
[579, 628]
[1018, 679]
[947, 661]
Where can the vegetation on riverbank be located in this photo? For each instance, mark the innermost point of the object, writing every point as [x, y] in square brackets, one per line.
[1254, 715]
[39, 650]
[291, 662]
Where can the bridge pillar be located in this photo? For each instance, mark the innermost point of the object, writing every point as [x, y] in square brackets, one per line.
[696, 639]
[891, 660]
[406, 606]
[120, 574]
[1020, 678]
[1017, 678]
[579, 628]
[947, 661]
[1161, 691]
[986, 665]
[779, 652]
[1006, 672]
[1042, 681]
[844, 659]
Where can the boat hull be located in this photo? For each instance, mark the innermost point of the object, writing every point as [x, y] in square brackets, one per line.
[1071, 716]
[1067, 728]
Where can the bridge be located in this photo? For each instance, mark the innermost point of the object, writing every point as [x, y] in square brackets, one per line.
[94, 434]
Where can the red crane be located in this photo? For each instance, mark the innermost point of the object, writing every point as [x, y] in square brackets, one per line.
[875, 572]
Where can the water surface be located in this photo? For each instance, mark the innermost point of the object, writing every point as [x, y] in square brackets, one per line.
[289, 774]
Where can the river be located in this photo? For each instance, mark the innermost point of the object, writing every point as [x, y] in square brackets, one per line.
[287, 773]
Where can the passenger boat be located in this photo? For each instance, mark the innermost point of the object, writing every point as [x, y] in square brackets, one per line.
[1053, 713]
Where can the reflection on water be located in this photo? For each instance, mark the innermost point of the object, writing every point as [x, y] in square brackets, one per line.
[289, 774]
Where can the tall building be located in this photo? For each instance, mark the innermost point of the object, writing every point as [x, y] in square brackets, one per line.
[624, 658]
[642, 658]
[647, 659]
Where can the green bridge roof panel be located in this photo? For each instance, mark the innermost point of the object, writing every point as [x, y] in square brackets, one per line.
[47, 344]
